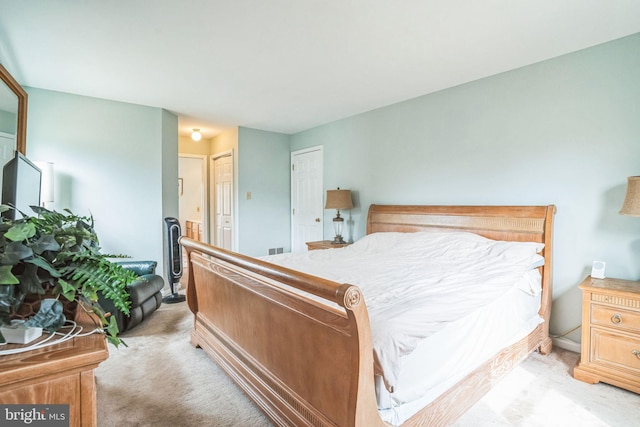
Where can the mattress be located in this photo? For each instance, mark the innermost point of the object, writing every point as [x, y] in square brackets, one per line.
[461, 347]
[427, 289]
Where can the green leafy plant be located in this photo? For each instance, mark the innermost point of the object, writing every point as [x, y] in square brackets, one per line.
[60, 253]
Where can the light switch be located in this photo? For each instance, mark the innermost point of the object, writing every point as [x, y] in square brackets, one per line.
[248, 195]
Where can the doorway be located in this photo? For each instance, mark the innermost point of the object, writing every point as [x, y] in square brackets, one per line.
[306, 197]
[192, 196]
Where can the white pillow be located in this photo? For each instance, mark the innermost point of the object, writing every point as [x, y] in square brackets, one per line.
[515, 252]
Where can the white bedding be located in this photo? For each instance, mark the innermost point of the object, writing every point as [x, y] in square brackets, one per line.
[461, 347]
[415, 284]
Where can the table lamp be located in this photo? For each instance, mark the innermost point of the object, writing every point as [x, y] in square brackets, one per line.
[631, 205]
[338, 199]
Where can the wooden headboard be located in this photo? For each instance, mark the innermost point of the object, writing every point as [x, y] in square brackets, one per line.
[514, 223]
[511, 223]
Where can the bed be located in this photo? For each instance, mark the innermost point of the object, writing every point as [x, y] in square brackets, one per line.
[301, 346]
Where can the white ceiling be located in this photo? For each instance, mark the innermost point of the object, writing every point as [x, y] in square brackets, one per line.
[288, 65]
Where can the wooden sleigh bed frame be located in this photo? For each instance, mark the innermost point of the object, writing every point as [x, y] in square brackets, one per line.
[305, 364]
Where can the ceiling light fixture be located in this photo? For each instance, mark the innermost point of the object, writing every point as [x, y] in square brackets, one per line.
[196, 135]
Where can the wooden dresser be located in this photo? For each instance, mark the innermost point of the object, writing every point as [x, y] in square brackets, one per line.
[58, 374]
[610, 333]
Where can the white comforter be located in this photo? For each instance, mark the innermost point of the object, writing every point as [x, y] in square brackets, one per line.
[414, 283]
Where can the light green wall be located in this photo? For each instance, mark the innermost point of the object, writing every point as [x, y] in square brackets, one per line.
[167, 174]
[109, 159]
[263, 160]
[564, 132]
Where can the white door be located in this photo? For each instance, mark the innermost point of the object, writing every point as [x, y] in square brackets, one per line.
[223, 201]
[306, 197]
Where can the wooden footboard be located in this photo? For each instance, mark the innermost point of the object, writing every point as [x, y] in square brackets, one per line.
[304, 362]
[300, 346]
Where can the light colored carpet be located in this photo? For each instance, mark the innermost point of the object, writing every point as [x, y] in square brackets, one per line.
[161, 380]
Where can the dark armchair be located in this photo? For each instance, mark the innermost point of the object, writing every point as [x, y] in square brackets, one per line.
[145, 295]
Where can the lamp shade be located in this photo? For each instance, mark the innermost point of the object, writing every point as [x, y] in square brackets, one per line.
[631, 205]
[338, 199]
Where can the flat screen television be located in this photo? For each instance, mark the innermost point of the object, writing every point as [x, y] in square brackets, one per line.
[21, 180]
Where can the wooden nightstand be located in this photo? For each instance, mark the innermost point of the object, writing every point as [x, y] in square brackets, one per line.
[610, 333]
[325, 244]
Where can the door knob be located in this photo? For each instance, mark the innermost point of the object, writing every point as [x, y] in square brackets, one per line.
[317, 219]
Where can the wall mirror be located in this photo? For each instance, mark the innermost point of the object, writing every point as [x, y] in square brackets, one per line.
[13, 116]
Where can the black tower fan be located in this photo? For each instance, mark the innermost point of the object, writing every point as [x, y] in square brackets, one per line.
[174, 259]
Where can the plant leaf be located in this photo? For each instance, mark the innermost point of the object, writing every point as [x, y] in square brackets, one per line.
[29, 280]
[21, 231]
[112, 333]
[40, 210]
[6, 276]
[112, 329]
[68, 290]
[43, 264]
[45, 243]
[14, 252]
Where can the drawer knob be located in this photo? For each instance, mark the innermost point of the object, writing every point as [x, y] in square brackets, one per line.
[636, 353]
[616, 318]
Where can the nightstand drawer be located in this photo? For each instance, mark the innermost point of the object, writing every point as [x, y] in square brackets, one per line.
[616, 351]
[614, 317]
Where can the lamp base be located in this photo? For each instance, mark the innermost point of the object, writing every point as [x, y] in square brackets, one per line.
[338, 240]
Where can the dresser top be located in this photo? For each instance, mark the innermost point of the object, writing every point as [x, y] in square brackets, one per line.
[610, 284]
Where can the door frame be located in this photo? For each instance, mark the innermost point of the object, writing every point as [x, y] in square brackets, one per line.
[212, 198]
[204, 196]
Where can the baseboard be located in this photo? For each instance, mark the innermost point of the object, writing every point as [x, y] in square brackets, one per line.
[566, 344]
